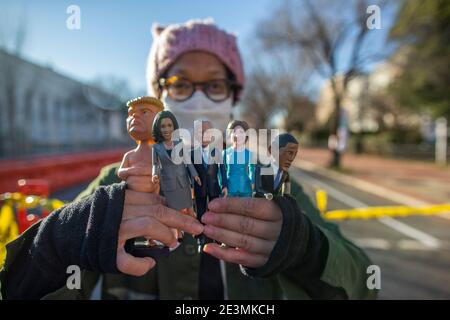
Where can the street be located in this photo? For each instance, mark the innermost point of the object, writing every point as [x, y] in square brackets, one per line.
[413, 252]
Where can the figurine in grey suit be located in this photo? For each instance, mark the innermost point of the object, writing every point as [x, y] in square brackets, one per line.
[174, 178]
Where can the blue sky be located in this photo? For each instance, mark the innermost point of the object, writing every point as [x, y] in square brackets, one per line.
[115, 35]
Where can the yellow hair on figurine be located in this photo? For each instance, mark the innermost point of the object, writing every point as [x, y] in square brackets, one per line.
[146, 99]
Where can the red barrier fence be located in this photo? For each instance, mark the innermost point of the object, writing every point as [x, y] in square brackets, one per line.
[61, 171]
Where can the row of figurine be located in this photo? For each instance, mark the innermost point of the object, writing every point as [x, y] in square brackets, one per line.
[237, 175]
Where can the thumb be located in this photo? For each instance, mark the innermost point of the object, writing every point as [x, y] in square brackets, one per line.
[131, 265]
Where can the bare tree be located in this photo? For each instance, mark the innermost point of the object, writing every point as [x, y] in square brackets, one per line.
[115, 85]
[260, 98]
[332, 35]
[276, 85]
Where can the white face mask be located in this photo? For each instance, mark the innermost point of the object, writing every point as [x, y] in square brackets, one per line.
[199, 107]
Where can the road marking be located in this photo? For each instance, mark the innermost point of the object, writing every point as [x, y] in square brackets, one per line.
[365, 186]
[414, 233]
[383, 244]
[368, 187]
[386, 211]
[373, 243]
[401, 227]
[407, 244]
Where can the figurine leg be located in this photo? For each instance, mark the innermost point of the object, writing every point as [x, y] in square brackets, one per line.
[202, 206]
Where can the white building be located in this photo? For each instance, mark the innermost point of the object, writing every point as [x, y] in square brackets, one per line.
[364, 114]
[42, 112]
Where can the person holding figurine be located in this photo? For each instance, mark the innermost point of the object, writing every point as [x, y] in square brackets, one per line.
[277, 249]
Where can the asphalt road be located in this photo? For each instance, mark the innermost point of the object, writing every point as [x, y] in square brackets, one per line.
[413, 253]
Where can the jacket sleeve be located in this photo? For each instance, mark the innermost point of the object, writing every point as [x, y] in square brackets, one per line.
[312, 255]
[156, 170]
[192, 171]
[83, 233]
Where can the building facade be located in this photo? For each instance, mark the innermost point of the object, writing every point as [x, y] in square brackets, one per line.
[44, 112]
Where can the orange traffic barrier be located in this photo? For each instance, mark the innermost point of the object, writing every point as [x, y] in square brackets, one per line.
[61, 171]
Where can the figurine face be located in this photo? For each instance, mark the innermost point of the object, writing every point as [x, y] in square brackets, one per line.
[140, 120]
[238, 135]
[206, 136]
[167, 128]
[287, 155]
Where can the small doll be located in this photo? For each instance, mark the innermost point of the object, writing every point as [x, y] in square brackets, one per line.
[211, 175]
[275, 180]
[141, 112]
[173, 177]
[238, 162]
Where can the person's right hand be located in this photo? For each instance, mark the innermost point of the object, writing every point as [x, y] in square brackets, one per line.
[145, 215]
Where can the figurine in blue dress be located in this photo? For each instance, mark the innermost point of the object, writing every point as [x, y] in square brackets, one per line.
[239, 162]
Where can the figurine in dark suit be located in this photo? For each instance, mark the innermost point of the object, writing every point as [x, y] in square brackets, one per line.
[273, 179]
[210, 173]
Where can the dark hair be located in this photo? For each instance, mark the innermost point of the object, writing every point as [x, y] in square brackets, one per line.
[156, 128]
[238, 123]
[283, 139]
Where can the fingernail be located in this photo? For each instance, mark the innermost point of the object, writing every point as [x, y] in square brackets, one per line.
[206, 248]
[206, 218]
[174, 244]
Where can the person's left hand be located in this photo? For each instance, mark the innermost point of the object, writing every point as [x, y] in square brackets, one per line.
[139, 179]
[248, 226]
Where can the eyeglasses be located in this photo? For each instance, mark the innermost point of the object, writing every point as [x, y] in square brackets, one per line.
[181, 89]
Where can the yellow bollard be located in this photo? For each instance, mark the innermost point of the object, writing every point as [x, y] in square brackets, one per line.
[321, 201]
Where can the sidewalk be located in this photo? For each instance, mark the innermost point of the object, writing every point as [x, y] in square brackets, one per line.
[419, 180]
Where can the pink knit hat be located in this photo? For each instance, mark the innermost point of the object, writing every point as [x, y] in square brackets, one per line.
[172, 41]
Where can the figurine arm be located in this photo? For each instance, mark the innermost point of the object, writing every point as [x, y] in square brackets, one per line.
[156, 168]
[192, 171]
[287, 185]
[194, 174]
[125, 164]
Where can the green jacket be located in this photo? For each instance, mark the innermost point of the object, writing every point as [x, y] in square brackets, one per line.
[177, 276]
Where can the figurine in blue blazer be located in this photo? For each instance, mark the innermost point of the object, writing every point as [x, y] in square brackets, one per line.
[239, 162]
